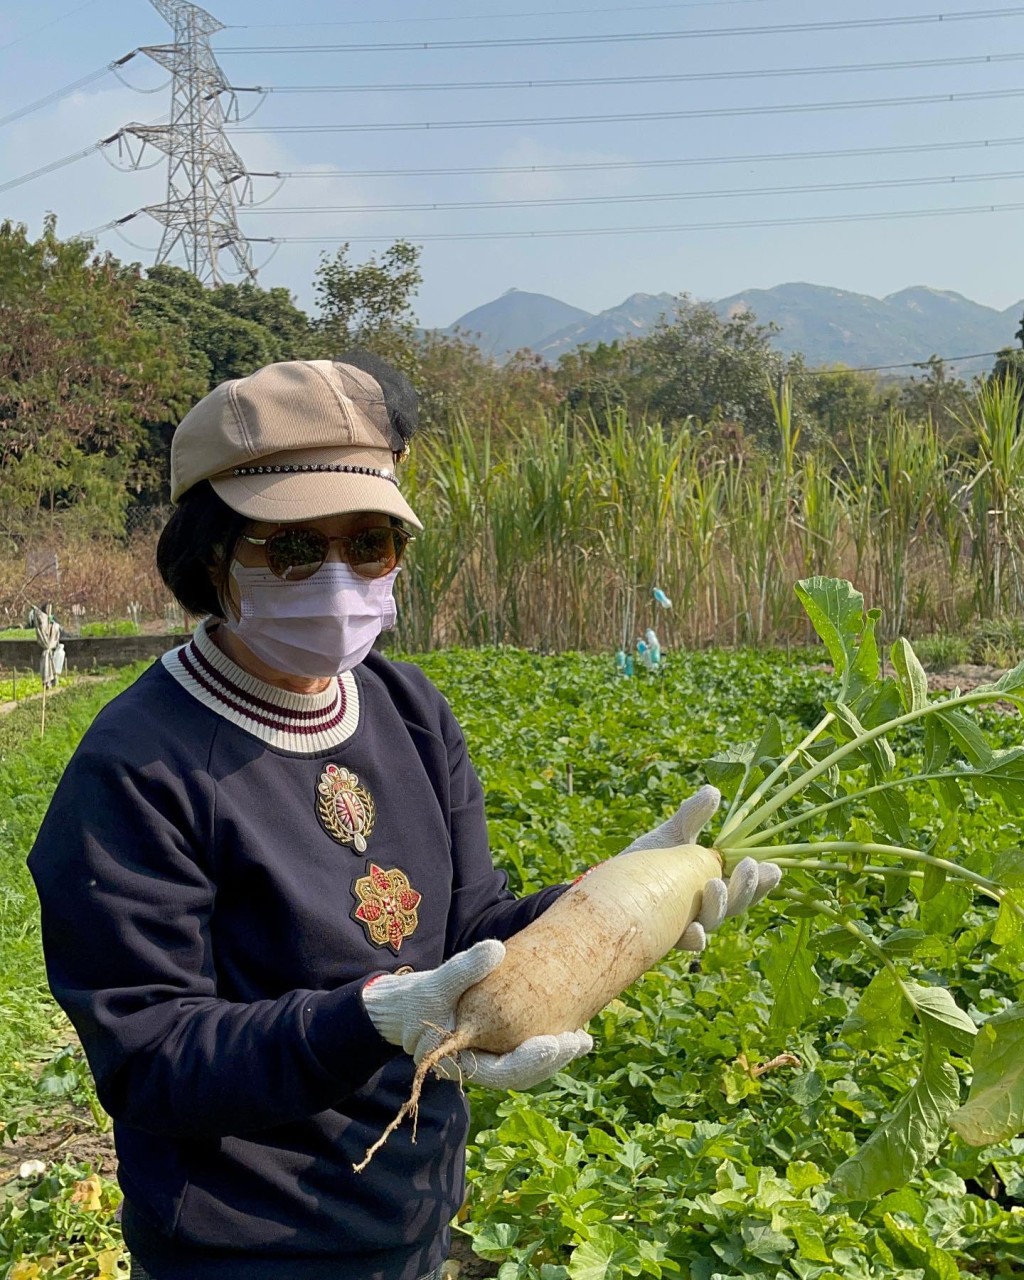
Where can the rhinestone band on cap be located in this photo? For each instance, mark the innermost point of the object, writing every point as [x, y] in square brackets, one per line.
[381, 472]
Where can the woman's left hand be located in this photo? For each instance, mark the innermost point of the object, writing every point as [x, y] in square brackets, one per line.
[748, 884]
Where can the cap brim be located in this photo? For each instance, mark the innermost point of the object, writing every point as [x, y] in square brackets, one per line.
[312, 496]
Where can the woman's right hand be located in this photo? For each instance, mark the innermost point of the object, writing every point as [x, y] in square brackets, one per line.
[417, 1010]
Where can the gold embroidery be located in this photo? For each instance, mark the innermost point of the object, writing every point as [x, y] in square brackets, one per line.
[344, 807]
[387, 906]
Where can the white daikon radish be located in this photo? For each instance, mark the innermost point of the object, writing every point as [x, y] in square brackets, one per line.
[605, 931]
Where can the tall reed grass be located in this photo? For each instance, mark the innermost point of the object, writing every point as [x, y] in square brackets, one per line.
[554, 535]
[557, 540]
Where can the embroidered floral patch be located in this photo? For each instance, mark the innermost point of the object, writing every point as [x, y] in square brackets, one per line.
[344, 807]
[387, 906]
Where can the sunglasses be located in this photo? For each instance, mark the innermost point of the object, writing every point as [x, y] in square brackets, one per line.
[296, 554]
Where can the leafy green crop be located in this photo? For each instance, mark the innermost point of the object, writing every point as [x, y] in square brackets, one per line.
[827, 797]
[784, 1108]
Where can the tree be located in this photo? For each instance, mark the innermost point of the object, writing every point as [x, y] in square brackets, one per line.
[370, 305]
[937, 397]
[701, 365]
[454, 378]
[79, 381]
[289, 328]
[845, 404]
[1010, 361]
[595, 380]
[231, 331]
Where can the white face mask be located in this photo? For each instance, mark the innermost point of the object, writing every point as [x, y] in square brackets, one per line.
[321, 626]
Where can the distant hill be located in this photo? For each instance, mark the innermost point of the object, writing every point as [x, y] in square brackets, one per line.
[515, 320]
[832, 326]
[630, 319]
[829, 326]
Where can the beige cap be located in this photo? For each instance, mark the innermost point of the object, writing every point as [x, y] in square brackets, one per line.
[298, 440]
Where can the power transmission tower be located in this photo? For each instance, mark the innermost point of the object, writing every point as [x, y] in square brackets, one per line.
[206, 178]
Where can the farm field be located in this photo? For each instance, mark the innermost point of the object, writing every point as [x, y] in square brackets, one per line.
[703, 1136]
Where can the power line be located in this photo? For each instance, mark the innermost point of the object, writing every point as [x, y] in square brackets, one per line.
[906, 364]
[52, 167]
[648, 198]
[695, 76]
[491, 17]
[718, 225]
[46, 25]
[697, 113]
[576, 167]
[602, 166]
[630, 37]
[57, 94]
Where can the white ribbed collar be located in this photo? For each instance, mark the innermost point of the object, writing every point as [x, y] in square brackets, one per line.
[306, 723]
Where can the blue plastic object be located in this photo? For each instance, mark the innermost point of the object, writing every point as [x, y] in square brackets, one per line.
[661, 598]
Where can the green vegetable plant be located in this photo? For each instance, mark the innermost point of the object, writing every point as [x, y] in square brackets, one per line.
[834, 810]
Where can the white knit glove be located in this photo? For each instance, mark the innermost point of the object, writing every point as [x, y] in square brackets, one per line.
[748, 884]
[417, 1010]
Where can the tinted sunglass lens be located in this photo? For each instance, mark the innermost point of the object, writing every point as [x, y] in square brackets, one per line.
[375, 552]
[294, 554]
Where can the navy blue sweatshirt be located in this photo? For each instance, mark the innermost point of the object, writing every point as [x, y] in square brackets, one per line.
[222, 866]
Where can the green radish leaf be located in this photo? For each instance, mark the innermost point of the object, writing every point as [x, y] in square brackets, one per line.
[936, 1263]
[836, 611]
[903, 942]
[1010, 685]
[934, 879]
[948, 1024]
[877, 753]
[936, 744]
[1009, 927]
[910, 675]
[787, 966]
[881, 1014]
[951, 796]
[835, 942]
[966, 736]
[944, 913]
[901, 1145]
[1003, 776]
[994, 1110]
[879, 704]
[770, 746]
[893, 812]
[602, 1255]
[894, 889]
[727, 770]
[866, 665]
[1008, 868]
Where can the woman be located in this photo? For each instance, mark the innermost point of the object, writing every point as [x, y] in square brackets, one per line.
[265, 878]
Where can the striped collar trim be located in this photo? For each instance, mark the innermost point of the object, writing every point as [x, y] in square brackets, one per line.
[306, 723]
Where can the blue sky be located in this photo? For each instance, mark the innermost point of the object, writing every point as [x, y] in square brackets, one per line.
[47, 44]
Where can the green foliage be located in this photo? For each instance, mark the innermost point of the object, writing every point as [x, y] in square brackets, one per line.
[369, 305]
[79, 379]
[29, 768]
[692, 365]
[230, 330]
[61, 1225]
[677, 1148]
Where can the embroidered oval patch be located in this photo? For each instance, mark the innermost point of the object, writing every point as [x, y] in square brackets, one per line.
[387, 906]
[345, 809]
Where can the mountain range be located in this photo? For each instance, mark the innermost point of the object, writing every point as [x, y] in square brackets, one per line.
[829, 326]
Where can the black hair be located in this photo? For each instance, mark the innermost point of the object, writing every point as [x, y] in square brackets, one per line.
[195, 548]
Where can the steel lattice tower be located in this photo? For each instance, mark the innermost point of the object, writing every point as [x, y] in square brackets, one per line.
[206, 178]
